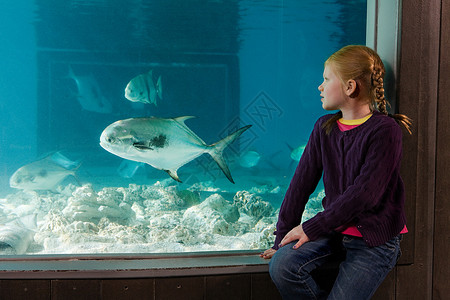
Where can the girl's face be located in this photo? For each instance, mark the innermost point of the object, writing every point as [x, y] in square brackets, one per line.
[331, 90]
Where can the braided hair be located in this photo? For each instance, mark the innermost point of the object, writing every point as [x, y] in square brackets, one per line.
[363, 65]
[380, 100]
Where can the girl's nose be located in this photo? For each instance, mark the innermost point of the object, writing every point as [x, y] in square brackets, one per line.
[320, 88]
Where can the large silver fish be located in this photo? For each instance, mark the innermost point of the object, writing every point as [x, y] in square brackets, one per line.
[43, 174]
[17, 235]
[165, 144]
[89, 94]
[143, 88]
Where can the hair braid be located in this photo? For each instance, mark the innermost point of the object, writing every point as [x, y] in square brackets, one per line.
[378, 85]
[380, 99]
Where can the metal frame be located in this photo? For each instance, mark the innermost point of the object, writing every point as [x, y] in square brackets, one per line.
[383, 35]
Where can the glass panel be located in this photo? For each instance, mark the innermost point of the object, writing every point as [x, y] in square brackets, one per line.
[72, 180]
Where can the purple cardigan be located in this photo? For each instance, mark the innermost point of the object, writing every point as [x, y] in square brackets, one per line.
[361, 176]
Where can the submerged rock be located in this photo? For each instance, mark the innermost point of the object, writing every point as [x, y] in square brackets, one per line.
[253, 205]
[213, 215]
[88, 206]
[148, 218]
[186, 198]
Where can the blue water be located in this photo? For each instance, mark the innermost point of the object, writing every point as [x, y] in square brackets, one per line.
[229, 63]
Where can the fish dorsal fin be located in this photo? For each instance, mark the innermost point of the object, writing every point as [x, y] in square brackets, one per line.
[61, 160]
[71, 73]
[183, 118]
[180, 120]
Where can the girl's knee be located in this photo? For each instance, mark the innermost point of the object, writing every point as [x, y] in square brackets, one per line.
[274, 267]
[285, 263]
[278, 265]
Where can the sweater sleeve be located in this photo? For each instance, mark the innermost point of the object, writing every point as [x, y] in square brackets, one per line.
[382, 159]
[303, 184]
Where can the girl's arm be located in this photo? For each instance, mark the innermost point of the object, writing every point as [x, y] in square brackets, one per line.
[303, 184]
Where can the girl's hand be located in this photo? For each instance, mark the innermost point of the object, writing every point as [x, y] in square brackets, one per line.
[268, 253]
[296, 233]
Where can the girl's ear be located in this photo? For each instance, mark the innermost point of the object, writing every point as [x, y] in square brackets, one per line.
[351, 88]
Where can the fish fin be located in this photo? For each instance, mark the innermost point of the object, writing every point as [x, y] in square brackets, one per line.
[77, 179]
[183, 118]
[150, 88]
[173, 174]
[71, 73]
[159, 88]
[61, 160]
[74, 174]
[216, 151]
[218, 158]
[141, 146]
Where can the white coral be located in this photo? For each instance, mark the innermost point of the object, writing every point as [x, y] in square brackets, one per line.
[87, 205]
[213, 215]
[253, 205]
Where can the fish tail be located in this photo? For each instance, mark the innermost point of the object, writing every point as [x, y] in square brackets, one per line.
[73, 172]
[216, 151]
[77, 179]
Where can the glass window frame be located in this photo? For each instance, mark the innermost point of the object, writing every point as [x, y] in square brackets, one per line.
[380, 37]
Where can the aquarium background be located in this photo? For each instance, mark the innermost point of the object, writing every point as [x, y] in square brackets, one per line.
[228, 63]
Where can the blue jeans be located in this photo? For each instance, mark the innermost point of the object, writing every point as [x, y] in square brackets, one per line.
[360, 273]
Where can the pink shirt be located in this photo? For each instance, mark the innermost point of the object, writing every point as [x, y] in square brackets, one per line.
[345, 125]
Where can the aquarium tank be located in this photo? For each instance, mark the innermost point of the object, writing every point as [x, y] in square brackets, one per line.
[158, 126]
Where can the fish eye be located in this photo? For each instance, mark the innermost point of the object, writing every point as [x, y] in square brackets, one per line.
[110, 140]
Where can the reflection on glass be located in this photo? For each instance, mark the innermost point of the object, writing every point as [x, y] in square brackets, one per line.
[103, 155]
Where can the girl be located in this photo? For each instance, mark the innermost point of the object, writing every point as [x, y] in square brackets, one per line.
[358, 150]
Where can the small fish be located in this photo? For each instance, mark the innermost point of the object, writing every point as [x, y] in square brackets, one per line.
[165, 144]
[143, 88]
[249, 159]
[296, 153]
[43, 174]
[17, 235]
[89, 94]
